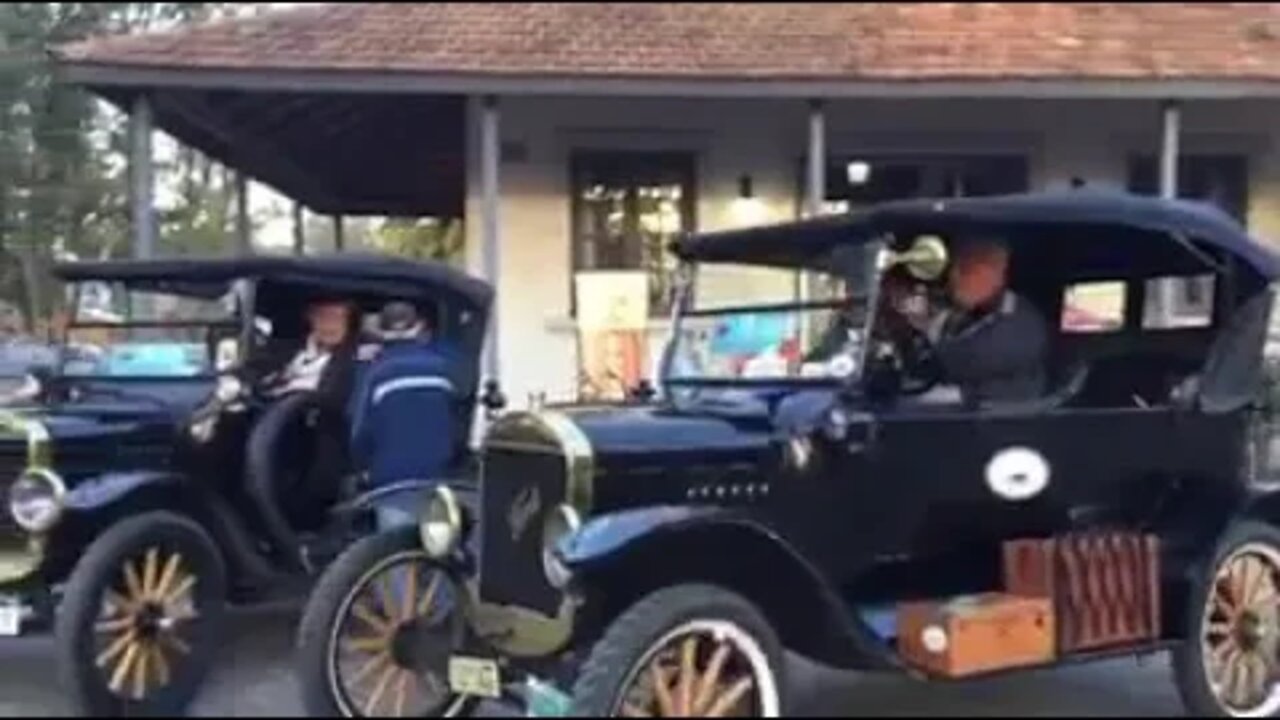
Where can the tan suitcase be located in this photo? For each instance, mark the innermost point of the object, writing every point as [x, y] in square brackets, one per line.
[976, 634]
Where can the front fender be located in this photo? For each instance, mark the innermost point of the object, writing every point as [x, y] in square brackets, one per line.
[104, 491]
[602, 539]
[624, 556]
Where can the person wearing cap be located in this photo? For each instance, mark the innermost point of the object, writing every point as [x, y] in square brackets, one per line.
[403, 419]
[990, 342]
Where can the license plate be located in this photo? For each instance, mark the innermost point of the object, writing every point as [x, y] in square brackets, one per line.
[475, 677]
[10, 621]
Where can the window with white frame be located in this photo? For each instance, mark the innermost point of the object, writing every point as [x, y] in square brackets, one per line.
[627, 208]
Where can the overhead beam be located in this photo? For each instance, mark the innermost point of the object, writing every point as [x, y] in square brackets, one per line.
[458, 83]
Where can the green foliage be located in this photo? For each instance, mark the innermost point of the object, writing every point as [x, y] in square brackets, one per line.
[422, 239]
[63, 179]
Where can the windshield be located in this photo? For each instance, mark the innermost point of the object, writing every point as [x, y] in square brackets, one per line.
[120, 332]
[744, 324]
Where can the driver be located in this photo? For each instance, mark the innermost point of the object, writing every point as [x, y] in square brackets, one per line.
[990, 342]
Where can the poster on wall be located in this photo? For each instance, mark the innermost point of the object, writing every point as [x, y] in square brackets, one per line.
[613, 319]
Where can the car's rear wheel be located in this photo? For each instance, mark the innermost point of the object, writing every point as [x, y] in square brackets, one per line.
[378, 632]
[1229, 665]
[689, 651]
[141, 617]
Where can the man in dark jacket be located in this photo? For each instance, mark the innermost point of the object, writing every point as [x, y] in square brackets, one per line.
[992, 343]
[403, 425]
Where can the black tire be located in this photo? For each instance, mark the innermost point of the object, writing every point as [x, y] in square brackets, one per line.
[322, 621]
[102, 569]
[616, 660]
[1189, 668]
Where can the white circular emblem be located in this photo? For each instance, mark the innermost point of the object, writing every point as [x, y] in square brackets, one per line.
[1018, 474]
[934, 639]
[842, 366]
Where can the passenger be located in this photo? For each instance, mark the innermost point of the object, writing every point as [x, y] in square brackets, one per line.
[325, 363]
[403, 425]
[991, 342]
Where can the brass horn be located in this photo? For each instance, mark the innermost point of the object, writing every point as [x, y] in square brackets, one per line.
[926, 259]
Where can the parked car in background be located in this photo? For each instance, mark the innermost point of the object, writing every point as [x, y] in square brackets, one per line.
[151, 481]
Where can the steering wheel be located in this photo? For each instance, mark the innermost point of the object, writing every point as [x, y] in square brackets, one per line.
[921, 367]
[907, 363]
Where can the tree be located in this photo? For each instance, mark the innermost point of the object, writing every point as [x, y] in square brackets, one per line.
[65, 184]
[422, 239]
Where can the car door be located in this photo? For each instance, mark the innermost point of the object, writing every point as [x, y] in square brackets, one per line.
[950, 478]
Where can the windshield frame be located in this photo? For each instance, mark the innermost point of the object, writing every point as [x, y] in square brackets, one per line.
[686, 286]
[241, 290]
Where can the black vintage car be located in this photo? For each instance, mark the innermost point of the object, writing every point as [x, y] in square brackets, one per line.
[152, 479]
[807, 479]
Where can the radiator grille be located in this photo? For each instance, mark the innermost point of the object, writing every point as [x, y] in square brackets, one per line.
[518, 490]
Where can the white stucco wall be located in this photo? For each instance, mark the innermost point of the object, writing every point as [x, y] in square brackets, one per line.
[767, 140]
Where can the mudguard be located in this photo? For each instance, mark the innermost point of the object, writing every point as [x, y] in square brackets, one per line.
[106, 490]
[788, 587]
[97, 500]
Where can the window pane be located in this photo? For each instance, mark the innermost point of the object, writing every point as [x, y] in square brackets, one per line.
[1190, 301]
[629, 207]
[866, 180]
[1094, 308]
[1222, 180]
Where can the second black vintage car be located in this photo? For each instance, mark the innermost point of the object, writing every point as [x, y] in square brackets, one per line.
[152, 480]
[808, 479]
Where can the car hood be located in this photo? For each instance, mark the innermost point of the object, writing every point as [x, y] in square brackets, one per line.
[643, 430]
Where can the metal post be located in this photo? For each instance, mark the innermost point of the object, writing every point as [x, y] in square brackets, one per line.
[299, 230]
[244, 230]
[816, 180]
[1170, 141]
[339, 242]
[142, 174]
[816, 187]
[490, 208]
[1169, 150]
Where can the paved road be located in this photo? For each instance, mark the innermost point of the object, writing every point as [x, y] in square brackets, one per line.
[254, 679]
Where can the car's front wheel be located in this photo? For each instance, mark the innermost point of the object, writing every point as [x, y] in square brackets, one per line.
[1229, 664]
[378, 632]
[141, 617]
[688, 651]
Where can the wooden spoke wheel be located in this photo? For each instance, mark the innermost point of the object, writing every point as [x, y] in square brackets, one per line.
[1241, 632]
[690, 651]
[141, 618]
[139, 632]
[704, 669]
[383, 622]
[1229, 662]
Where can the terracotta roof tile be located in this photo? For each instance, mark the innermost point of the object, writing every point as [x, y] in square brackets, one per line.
[769, 41]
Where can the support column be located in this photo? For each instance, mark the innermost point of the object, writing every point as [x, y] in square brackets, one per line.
[142, 180]
[1170, 147]
[339, 240]
[816, 185]
[815, 191]
[299, 230]
[490, 220]
[1170, 142]
[244, 229]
